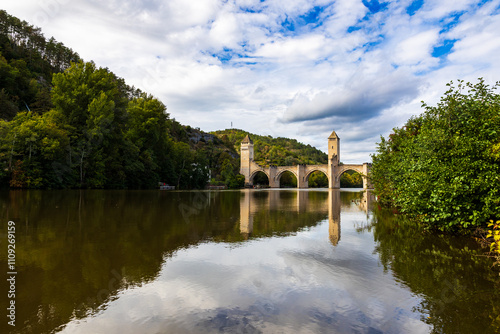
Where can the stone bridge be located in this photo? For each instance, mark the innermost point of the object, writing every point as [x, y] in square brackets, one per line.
[333, 169]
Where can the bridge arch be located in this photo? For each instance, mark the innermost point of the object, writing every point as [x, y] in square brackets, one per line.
[360, 169]
[306, 177]
[281, 171]
[291, 179]
[345, 168]
[254, 173]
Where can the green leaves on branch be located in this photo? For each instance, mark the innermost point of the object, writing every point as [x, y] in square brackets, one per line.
[443, 167]
[494, 233]
[39, 141]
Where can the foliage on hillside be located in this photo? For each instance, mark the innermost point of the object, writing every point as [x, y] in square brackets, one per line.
[222, 160]
[443, 167]
[27, 62]
[101, 137]
[274, 151]
[65, 123]
[96, 136]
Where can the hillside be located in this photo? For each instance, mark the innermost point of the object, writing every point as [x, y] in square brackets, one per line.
[27, 62]
[274, 151]
[67, 123]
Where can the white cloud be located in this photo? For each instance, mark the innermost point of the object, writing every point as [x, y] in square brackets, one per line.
[308, 48]
[436, 9]
[225, 31]
[477, 41]
[330, 63]
[416, 49]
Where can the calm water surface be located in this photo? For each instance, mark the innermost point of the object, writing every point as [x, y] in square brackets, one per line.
[249, 261]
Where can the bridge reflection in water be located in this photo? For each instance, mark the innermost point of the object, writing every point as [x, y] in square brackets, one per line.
[175, 262]
[253, 202]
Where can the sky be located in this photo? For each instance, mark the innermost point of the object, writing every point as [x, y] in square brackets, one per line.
[285, 68]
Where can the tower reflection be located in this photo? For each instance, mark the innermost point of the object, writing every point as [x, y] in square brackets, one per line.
[334, 216]
[291, 207]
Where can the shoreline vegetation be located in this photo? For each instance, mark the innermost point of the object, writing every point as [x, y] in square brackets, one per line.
[442, 168]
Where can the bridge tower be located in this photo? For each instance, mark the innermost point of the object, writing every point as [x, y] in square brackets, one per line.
[333, 160]
[334, 148]
[246, 158]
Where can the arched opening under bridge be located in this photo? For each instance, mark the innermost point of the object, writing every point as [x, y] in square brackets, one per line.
[351, 178]
[287, 179]
[317, 179]
[260, 178]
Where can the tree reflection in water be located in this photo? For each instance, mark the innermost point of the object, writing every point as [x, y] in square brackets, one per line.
[459, 289]
[84, 248]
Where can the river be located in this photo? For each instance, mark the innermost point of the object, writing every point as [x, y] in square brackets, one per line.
[245, 261]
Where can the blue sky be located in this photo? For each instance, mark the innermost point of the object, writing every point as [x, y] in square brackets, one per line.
[291, 68]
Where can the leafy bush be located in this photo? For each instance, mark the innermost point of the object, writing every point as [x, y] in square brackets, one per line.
[494, 234]
[443, 167]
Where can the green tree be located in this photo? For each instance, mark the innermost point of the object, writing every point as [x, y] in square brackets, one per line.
[442, 167]
[261, 179]
[95, 112]
[231, 178]
[32, 147]
[189, 167]
[147, 131]
[288, 180]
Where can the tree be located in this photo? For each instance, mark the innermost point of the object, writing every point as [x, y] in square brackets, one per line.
[95, 110]
[288, 180]
[443, 167]
[32, 146]
[351, 179]
[230, 176]
[147, 131]
[182, 158]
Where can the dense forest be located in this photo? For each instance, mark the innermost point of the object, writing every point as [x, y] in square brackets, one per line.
[442, 168]
[66, 123]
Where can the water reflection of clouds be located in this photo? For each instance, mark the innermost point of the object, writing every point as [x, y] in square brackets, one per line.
[295, 284]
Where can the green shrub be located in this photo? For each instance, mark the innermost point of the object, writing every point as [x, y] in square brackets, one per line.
[443, 167]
